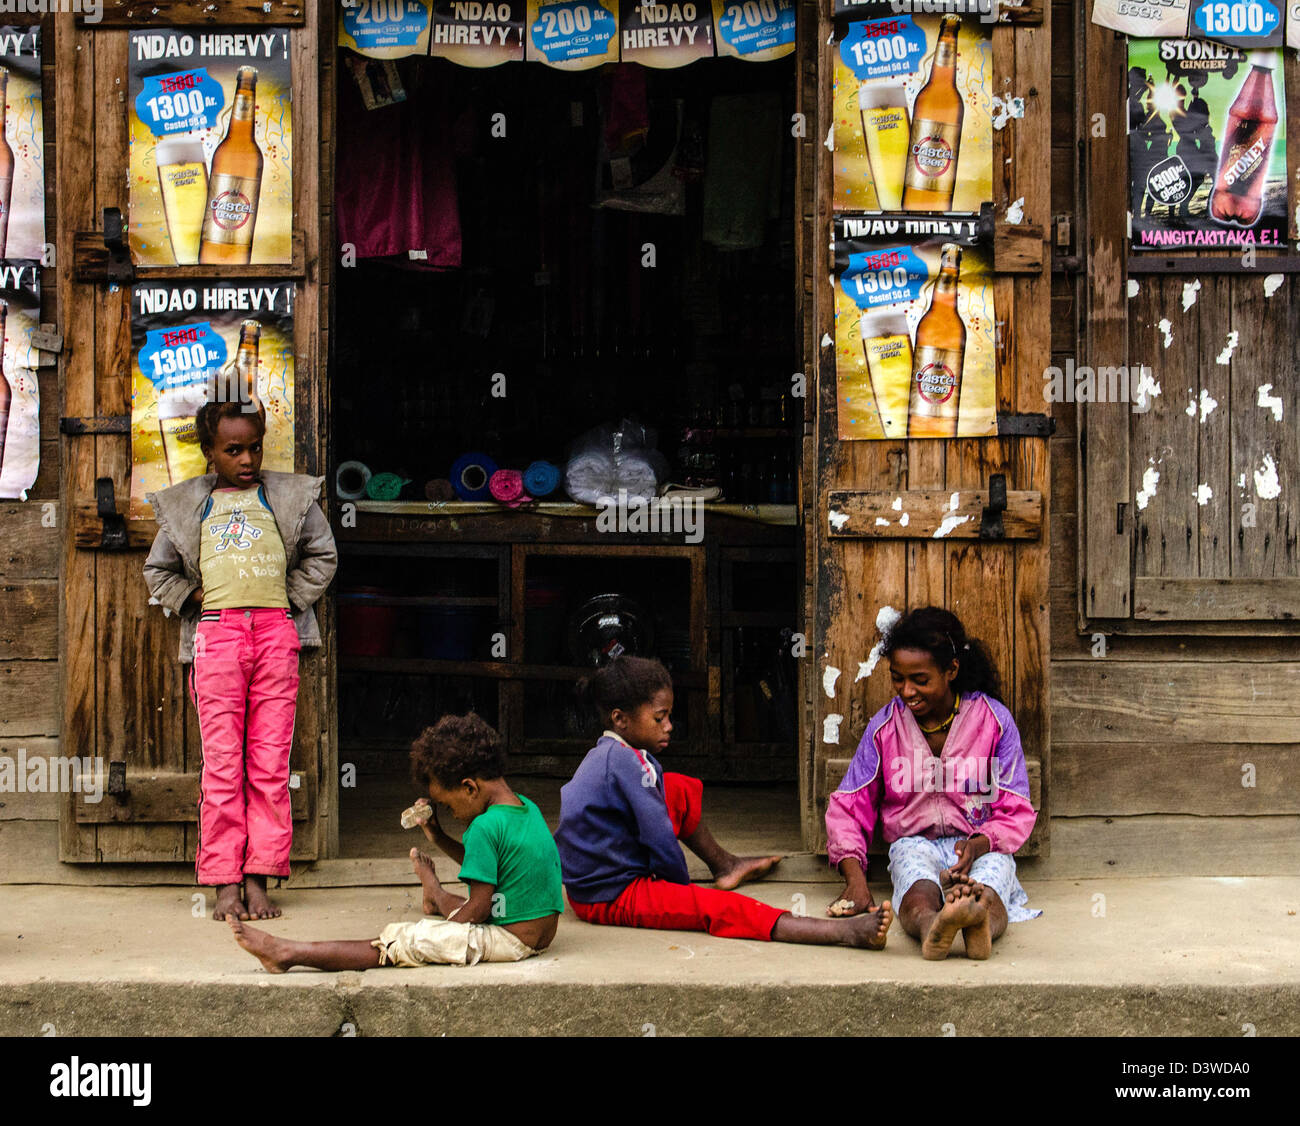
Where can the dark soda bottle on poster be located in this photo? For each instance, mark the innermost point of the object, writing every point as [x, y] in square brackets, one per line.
[1238, 195]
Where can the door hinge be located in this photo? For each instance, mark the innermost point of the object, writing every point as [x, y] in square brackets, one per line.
[114, 535]
[1025, 425]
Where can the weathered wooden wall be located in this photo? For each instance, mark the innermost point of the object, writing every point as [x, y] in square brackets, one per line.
[1153, 736]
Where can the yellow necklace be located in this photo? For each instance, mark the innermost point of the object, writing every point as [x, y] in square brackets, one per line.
[956, 703]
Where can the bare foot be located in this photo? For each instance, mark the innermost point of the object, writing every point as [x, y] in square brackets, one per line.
[851, 901]
[423, 866]
[259, 905]
[947, 877]
[230, 904]
[871, 928]
[744, 869]
[272, 952]
[961, 909]
[979, 936]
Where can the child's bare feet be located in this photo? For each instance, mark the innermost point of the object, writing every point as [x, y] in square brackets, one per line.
[259, 904]
[852, 900]
[230, 904]
[423, 866]
[272, 952]
[979, 936]
[961, 909]
[871, 928]
[947, 877]
[744, 869]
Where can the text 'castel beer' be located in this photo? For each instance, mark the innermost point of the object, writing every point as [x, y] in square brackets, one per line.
[235, 183]
[936, 130]
[6, 164]
[939, 356]
[1238, 195]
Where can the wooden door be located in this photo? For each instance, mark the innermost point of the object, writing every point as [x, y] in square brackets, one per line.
[999, 588]
[123, 697]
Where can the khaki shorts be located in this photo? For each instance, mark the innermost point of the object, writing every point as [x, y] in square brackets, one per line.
[442, 942]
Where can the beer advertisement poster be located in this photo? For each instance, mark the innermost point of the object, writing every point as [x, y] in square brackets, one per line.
[478, 33]
[756, 30]
[913, 115]
[22, 148]
[198, 341]
[20, 400]
[1207, 145]
[572, 34]
[1239, 23]
[915, 329]
[211, 141]
[665, 35]
[386, 29]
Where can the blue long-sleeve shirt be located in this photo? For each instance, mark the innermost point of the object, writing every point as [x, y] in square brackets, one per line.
[614, 825]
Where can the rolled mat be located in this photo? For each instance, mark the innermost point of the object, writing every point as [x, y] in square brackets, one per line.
[350, 480]
[386, 486]
[439, 489]
[541, 479]
[507, 486]
[470, 474]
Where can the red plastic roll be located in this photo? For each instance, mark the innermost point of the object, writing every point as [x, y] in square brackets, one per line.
[507, 486]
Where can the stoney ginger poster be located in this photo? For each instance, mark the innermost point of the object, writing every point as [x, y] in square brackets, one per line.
[211, 138]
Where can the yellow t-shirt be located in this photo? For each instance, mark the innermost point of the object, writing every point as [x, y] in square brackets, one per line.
[241, 556]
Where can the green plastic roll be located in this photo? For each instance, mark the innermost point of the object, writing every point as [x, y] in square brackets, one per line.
[386, 486]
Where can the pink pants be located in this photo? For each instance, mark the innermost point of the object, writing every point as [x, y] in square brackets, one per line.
[244, 683]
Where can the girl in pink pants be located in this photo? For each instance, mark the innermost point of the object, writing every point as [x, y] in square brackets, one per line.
[242, 556]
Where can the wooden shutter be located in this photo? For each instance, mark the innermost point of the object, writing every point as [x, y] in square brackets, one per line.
[998, 588]
[1202, 542]
[123, 697]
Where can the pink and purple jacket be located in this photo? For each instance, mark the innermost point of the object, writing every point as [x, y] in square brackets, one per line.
[979, 783]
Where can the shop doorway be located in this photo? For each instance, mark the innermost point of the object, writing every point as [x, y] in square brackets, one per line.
[614, 248]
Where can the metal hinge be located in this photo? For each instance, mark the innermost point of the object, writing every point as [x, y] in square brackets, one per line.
[114, 535]
[991, 522]
[1025, 425]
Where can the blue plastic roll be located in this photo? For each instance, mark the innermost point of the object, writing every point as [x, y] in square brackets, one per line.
[541, 479]
[470, 474]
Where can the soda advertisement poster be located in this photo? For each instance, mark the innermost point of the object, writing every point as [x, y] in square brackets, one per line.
[20, 401]
[478, 33]
[1207, 145]
[573, 34]
[756, 30]
[22, 148]
[915, 329]
[1239, 23]
[191, 342]
[211, 138]
[665, 35]
[913, 113]
[386, 29]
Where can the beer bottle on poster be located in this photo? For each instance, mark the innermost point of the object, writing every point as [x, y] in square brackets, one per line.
[1238, 195]
[937, 118]
[6, 395]
[250, 335]
[939, 355]
[235, 183]
[6, 164]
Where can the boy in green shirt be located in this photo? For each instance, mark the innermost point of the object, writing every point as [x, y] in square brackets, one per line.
[508, 860]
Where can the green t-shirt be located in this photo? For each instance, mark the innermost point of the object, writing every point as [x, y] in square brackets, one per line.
[511, 847]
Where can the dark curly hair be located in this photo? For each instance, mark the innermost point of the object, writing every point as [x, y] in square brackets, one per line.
[455, 748]
[209, 417]
[940, 633]
[625, 683]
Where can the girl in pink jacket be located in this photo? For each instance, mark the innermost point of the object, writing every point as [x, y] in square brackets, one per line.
[942, 768]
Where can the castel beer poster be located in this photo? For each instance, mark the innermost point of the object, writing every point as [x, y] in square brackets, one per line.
[913, 113]
[1207, 145]
[191, 342]
[211, 147]
[20, 401]
[915, 329]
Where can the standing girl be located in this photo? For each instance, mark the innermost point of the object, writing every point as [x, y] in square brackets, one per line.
[242, 556]
[941, 765]
[621, 818]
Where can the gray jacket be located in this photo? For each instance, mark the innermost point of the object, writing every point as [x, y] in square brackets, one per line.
[311, 558]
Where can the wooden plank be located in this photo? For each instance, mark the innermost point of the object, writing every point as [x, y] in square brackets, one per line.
[197, 14]
[31, 548]
[1110, 701]
[1206, 779]
[1216, 510]
[91, 259]
[35, 685]
[1019, 248]
[931, 514]
[170, 796]
[1106, 553]
[17, 804]
[29, 620]
[1208, 600]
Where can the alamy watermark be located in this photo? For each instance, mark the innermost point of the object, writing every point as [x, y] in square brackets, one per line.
[663, 515]
[93, 10]
[1084, 384]
[21, 773]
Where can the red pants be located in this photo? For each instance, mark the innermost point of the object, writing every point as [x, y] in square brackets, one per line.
[244, 683]
[661, 905]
